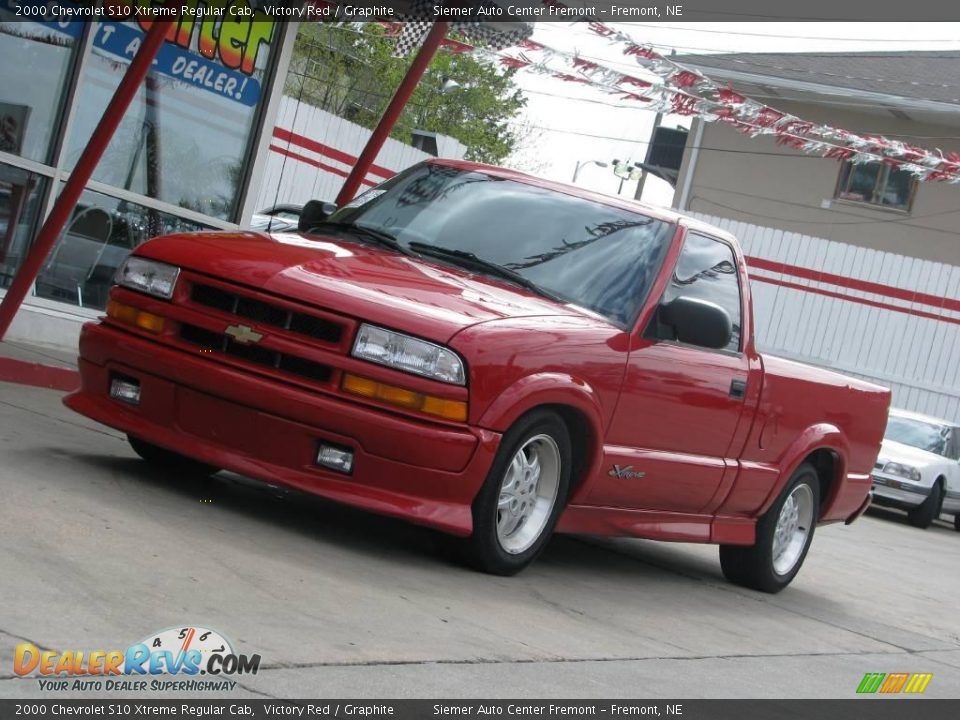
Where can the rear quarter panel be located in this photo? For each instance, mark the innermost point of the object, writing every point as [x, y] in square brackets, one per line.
[803, 409]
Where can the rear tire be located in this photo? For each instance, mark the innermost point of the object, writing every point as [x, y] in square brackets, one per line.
[169, 460]
[926, 512]
[517, 508]
[956, 521]
[783, 537]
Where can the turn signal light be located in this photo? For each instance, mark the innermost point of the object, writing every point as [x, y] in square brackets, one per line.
[401, 397]
[134, 316]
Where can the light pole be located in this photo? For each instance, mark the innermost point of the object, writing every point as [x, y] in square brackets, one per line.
[625, 171]
[583, 163]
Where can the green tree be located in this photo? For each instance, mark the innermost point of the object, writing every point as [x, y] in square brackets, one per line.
[352, 74]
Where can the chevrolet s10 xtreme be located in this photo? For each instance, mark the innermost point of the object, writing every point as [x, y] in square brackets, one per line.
[494, 356]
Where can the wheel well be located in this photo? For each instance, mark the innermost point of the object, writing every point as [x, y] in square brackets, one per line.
[826, 464]
[582, 439]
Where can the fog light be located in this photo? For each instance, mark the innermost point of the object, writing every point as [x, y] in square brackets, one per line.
[125, 390]
[335, 458]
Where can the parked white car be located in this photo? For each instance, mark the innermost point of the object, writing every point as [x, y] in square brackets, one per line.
[918, 468]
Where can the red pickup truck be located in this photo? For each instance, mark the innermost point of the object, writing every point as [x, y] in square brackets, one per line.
[492, 355]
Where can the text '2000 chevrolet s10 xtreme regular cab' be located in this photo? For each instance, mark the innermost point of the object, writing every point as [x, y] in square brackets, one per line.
[494, 356]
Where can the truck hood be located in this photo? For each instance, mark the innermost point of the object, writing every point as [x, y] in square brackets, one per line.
[893, 451]
[423, 297]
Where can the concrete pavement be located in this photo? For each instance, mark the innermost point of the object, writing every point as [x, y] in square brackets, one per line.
[98, 550]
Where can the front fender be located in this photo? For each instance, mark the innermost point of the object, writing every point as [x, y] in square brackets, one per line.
[549, 388]
[559, 389]
[822, 436]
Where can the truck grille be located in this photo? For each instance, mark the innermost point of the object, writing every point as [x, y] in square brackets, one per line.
[265, 313]
[255, 354]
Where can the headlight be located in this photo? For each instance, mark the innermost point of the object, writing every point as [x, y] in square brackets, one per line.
[403, 352]
[907, 471]
[148, 276]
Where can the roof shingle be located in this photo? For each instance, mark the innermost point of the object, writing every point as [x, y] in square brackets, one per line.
[927, 75]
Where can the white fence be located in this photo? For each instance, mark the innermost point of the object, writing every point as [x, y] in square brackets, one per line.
[312, 152]
[883, 317]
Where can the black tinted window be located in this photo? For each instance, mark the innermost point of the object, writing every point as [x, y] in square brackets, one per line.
[707, 270]
[593, 255]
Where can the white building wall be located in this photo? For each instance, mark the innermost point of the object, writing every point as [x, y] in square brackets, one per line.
[312, 151]
[888, 318]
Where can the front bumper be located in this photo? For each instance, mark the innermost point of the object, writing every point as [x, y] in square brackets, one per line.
[423, 472]
[897, 492]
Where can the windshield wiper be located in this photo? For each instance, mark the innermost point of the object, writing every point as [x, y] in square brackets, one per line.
[381, 237]
[468, 259]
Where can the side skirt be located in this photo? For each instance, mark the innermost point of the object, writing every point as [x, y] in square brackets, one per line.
[657, 525]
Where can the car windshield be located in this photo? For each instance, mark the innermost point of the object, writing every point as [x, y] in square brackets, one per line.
[593, 255]
[918, 434]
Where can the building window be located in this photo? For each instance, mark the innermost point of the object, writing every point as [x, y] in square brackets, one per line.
[184, 139]
[20, 194]
[876, 184]
[36, 59]
[100, 234]
[707, 270]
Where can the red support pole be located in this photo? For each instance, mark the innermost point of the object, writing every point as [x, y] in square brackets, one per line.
[390, 116]
[65, 204]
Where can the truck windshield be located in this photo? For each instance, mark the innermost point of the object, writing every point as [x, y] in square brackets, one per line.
[918, 434]
[593, 255]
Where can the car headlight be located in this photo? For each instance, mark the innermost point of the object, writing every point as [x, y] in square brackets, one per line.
[148, 276]
[409, 354]
[907, 471]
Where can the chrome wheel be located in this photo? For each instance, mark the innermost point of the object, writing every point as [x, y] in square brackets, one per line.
[793, 527]
[528, 493]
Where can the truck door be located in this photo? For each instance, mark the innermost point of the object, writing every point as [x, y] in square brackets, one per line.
[680, 404]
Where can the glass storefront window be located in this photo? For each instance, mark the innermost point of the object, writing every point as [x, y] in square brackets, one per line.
[185, 137]
[20, 204]
[31, 102]
[100, 234]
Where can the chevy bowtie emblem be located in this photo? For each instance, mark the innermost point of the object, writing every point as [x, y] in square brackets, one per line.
[243, 334]
[625, 473]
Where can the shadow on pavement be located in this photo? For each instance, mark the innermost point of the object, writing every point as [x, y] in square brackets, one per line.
[628, 562]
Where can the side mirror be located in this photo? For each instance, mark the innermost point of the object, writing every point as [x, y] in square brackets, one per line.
[697, 322]
[314, 213]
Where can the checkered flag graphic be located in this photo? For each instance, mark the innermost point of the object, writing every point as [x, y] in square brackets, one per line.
[492, 36]
[416, 25]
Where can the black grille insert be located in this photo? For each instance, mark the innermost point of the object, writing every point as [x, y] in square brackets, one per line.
[213, 297]
[315, 327]
[206, 339]
[255, 354]
[266, 314]
[305, 368]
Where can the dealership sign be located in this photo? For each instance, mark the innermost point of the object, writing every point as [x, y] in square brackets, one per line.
[123, 41]
[228, 36]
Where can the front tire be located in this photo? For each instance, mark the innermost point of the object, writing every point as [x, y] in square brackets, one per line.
[169, 460]
[926, 512]
[783, 537]
[517, 508]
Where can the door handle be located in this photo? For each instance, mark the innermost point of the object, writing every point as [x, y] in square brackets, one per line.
[738, 388]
